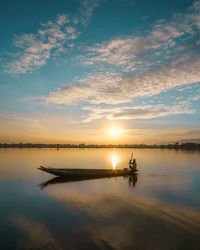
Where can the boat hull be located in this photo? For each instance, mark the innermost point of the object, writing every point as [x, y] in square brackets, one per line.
[85, 172]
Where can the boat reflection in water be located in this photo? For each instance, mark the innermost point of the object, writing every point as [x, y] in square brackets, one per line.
[132, 179]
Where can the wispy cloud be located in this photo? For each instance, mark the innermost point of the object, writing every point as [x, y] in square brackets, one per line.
[114, 89]
[35, 49]
[86, 10]
[164, 58]
[178, 36]
[136, 112]
[166, 39]
[52, 38]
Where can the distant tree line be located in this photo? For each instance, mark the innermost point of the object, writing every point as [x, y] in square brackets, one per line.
[186, 146]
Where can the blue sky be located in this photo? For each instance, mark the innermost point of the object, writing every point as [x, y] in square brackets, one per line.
[70, 70]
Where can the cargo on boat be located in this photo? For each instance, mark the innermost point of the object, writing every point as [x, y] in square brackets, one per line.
[76, 172]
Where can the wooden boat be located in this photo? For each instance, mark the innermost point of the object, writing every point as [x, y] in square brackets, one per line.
[77, 172]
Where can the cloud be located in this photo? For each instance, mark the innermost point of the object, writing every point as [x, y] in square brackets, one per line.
[146, 76]
[35, 49]
[184, 88]
[166, 39]
[193, 132]
[136, 112]
[146, 112]
[86, 10]
[161, 59]
[114, 89]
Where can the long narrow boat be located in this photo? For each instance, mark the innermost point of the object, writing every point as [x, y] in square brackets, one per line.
[76, 172]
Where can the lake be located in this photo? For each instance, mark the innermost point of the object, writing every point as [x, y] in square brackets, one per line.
[157, 209]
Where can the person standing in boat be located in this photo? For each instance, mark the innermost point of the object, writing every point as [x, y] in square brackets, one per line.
[132, 164]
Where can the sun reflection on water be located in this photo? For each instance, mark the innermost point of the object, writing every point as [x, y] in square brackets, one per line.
[114, 160]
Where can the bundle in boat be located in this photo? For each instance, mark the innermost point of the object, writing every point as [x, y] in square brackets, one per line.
[75, 172]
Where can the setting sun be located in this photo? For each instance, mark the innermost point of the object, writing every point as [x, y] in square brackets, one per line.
[115, 131]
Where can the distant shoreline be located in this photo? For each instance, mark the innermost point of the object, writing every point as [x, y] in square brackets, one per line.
[187, 146]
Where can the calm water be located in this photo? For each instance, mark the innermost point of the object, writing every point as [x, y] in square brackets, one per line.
[160, 209]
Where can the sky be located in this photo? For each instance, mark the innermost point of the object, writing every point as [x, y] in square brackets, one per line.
[99, 71]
